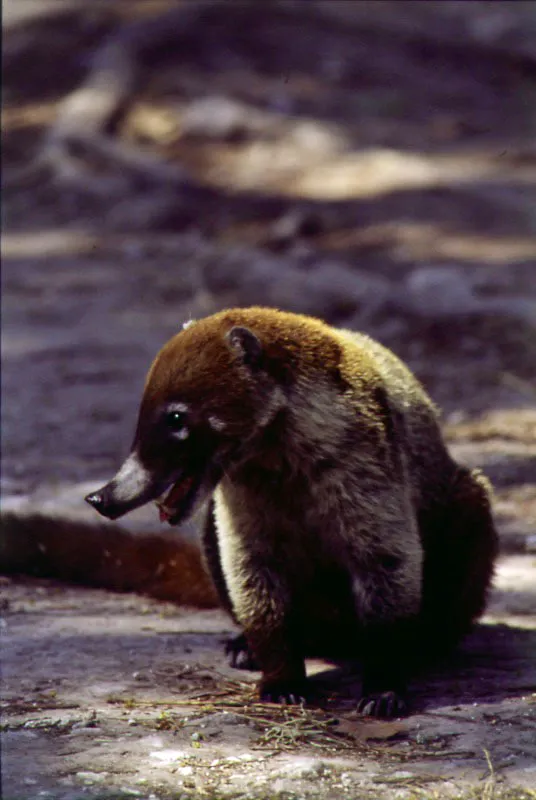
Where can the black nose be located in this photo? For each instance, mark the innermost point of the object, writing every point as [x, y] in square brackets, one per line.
[96, 500]
[102, 501]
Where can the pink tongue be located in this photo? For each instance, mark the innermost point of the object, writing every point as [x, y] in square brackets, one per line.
[174, 496]
[163, 515]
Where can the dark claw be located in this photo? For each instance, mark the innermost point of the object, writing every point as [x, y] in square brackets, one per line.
[385, 705]
[289, 699]
[368, 709]
[239, 653]
[285, 695]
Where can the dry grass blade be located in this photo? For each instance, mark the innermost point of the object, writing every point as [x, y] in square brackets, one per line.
[488, 791]
[298, 725]
[284, 727]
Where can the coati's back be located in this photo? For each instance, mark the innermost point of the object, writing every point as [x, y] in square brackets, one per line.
[413, 416]
[452, 504]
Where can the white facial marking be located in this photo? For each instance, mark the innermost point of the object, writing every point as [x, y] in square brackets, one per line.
[181, 408]
[216, 423]
[131, 480]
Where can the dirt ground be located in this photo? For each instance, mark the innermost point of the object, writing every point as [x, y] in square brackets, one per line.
[369, 165]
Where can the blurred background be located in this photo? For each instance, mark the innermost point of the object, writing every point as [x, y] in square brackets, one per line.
[372, 163]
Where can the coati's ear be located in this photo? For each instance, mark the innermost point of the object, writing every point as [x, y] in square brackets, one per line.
[246, 345]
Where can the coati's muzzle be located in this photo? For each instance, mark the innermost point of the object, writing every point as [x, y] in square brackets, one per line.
[134, 486]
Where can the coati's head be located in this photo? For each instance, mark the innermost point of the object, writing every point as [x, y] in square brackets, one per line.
[211, 390]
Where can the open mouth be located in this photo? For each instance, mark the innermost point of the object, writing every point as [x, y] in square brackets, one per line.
[175, 503]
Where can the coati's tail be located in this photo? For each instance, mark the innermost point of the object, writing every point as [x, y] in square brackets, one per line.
[105, 556]
[461, 545]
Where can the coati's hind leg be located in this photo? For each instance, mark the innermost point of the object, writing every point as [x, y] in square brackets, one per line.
[460, 547]
[387, 667]
[236, 648]
[388, 595]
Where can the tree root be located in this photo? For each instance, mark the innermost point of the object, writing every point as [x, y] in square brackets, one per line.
[79, 148]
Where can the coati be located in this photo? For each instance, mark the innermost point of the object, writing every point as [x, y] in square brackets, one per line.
[339, 524]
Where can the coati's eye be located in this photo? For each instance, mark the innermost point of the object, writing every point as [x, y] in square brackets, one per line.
[176, 424]
[175, 420]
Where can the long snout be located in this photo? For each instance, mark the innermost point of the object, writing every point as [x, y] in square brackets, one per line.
[132, 487]
[102, 501]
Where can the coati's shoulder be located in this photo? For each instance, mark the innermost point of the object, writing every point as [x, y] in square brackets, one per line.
[402, 385]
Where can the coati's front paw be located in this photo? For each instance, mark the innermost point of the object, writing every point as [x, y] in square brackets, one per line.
[292, 693]
[240, 656]
[385, 705]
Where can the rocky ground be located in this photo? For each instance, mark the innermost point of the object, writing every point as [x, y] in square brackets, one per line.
[115, 696]
[373, 168]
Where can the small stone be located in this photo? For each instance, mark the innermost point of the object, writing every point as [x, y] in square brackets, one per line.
[92, 777]
[306, 768]
[81, 729]
[168, 756]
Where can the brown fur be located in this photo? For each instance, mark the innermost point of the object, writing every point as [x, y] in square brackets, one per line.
[105, 556]
[459, 550]
[338, 516]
